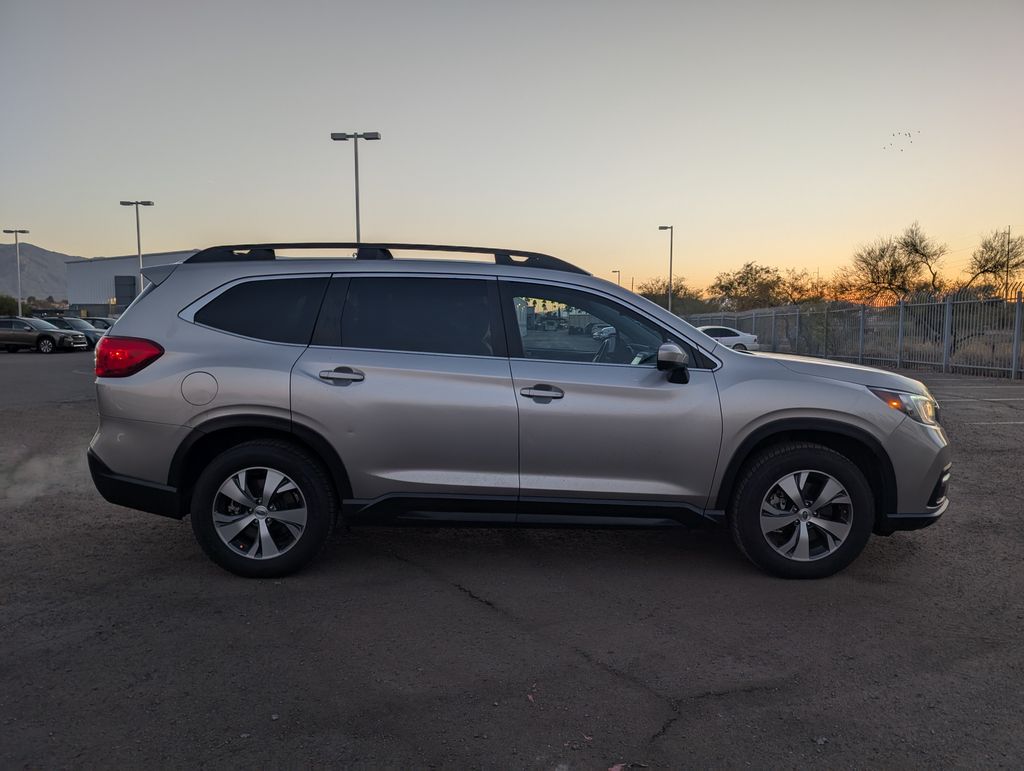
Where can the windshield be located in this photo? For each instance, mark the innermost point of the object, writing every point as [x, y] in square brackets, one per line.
[79, 323]
[40, 324]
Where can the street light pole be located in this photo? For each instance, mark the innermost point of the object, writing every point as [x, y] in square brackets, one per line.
[138, 232]
[671, 237]
[618, 277]
[339, 136]
[17, 257]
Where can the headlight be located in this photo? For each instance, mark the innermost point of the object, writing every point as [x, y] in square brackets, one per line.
[923, 409]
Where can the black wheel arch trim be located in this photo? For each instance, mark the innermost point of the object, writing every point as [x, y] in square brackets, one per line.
[887, 495]
[304, 435]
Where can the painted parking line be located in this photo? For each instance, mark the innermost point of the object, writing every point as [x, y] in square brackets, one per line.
[998, 423]
[947, 400]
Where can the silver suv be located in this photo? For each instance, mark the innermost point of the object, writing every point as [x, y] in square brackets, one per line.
[273, 399]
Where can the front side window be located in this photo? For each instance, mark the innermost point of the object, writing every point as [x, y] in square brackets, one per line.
[422, 315]
[560, 324]
[277, 310]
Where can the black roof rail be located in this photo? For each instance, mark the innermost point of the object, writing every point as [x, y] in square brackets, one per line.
[364, 251]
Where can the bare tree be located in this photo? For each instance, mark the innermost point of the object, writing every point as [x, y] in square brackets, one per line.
[894, 267]
[996, 260]
[914, 245]
[882, 271]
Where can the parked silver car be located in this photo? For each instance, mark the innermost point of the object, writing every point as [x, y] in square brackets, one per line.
[275, 398]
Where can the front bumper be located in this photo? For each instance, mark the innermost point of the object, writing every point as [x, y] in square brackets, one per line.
[135, 493]
[74, 344]
[937, 504]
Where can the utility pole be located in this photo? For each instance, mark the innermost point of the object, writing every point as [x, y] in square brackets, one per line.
[17, 256]
[671, 235]
[618, 277]
[1006, 293]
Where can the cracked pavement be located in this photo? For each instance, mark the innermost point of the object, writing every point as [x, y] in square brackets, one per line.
[408, 648]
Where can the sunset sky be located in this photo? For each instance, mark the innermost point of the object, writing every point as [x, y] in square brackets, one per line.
[760, 130]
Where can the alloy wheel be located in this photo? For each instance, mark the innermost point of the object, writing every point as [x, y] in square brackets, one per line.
[806, 515]
[259, 513]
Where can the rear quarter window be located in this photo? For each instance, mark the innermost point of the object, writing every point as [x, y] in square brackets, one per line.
[277, 310]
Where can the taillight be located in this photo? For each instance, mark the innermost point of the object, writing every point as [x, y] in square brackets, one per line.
[124, 356]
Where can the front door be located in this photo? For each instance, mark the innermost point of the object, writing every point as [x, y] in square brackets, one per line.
[597, 420]
[408, 378]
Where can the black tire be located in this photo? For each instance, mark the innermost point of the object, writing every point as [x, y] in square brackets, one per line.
[739, 347]
[310, 478]
[46, 345]
[757, 480]
[12, 348]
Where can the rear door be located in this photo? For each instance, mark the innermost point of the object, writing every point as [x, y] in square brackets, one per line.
[598, 420]
[409, 380]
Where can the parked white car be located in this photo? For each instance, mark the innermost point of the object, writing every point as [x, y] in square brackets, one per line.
[732, 338]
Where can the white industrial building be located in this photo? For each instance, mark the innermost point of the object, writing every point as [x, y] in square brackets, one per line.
[104, 286]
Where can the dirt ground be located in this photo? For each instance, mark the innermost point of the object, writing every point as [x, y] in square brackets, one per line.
[124, 646]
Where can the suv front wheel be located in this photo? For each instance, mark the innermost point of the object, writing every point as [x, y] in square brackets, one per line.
[802, 510]
[263, 509]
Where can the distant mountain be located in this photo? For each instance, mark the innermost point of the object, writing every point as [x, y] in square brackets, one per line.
[42, 272]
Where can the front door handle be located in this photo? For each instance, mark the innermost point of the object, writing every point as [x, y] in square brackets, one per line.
[342, 375]
[543, 391]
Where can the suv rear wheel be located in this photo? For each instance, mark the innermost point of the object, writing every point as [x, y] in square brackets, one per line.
[263, 509]
[802, 510]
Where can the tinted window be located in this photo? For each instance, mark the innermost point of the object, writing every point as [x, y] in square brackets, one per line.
[40, 324]
[5, 324]
[561, 324]
[80, 324]
[278, 310]
[426, 315]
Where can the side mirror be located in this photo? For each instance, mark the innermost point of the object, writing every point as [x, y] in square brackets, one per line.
[674, 360]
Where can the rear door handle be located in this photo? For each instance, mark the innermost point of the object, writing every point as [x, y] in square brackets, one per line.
[543, 391]
[342, 375]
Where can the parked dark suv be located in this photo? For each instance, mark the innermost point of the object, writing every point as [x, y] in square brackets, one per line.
[17, 332]
[92, 334]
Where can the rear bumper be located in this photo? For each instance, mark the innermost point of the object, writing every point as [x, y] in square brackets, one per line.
[135, 493]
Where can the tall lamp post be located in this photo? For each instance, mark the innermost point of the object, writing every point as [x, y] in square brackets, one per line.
[671, 236]
[618, 277]
[17, 256]
[340, 136]
[138, 232]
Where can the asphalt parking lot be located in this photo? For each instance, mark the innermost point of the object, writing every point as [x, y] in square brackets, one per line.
[124, 646]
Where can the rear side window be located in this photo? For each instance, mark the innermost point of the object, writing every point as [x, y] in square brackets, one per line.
[423, 315]
[278, 310]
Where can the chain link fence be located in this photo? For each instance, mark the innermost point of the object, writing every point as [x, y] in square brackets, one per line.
[965, 335]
